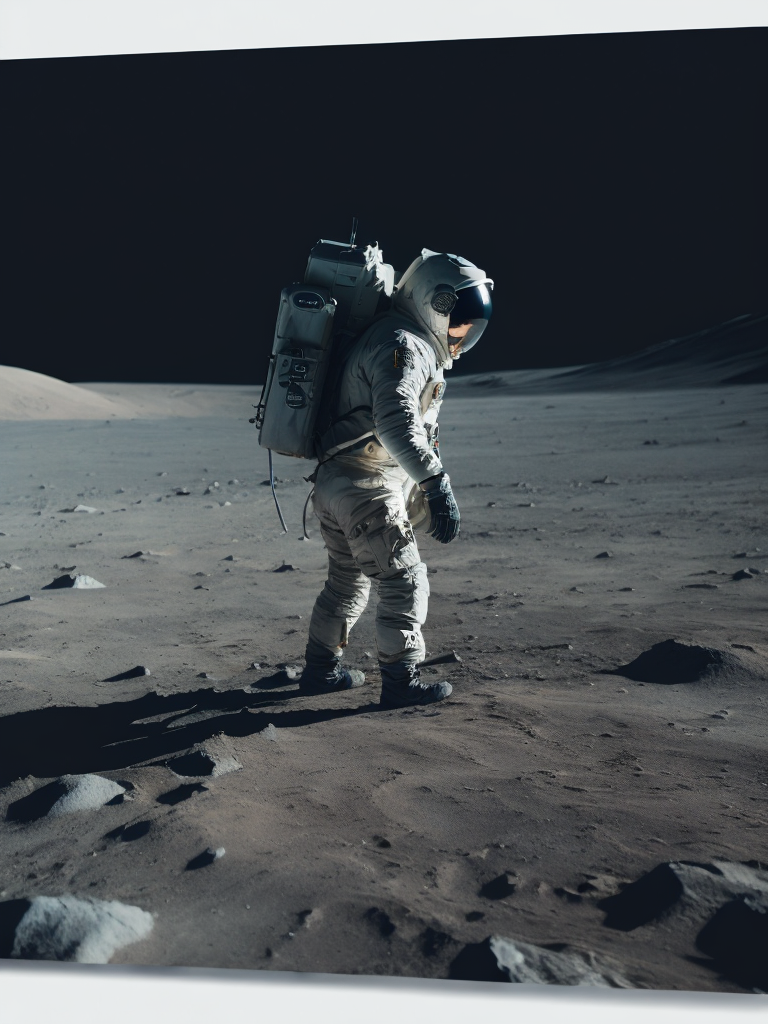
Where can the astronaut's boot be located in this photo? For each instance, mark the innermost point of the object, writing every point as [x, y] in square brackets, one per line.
[401, 686]
[325, 674]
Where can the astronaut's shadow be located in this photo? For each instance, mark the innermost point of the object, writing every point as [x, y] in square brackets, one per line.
[53, 741]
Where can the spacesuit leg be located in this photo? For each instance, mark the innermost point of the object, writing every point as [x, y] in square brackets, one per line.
[372, 514]
[343, 597]
[386, 550]
[339, 604]
[365, 527]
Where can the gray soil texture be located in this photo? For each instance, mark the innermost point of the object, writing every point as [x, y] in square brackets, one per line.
[606, 730]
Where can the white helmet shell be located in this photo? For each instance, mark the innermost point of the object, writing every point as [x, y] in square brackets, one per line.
[417, 292]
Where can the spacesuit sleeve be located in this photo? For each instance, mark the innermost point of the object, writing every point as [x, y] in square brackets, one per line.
[399, 373]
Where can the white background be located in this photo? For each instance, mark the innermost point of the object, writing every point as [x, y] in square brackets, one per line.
[65, 994]
[54, 28]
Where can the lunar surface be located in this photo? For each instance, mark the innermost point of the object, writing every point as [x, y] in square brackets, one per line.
[589, 807]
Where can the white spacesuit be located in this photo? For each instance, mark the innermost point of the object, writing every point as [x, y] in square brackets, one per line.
[380, 476]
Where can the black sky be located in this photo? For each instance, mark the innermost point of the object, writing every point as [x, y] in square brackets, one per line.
[155, 204]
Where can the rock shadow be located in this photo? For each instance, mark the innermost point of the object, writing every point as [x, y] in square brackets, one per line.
[54, 741]
[644, 900]
[37, 804]
[736, 938]
[11, 913]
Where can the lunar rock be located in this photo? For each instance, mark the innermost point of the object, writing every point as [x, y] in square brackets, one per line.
[682, 888]
[499, 888]
[181, 793]
[79, 582]
[214, 757]
[502, 959]
[674, 662]
[79, 508]
[85, 793]
[129, 833]
[450, 657]
[65, 795]
[744, 574]
[131, 673]
[84, 931]
[736, 937]
[205, 858]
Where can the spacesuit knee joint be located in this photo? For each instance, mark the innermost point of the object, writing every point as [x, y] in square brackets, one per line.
[383, 544]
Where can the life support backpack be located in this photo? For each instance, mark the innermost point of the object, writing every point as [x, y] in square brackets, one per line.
[345, 288]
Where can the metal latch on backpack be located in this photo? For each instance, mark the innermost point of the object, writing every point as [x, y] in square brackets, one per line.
[291, 373]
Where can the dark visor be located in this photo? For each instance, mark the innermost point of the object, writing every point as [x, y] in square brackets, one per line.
[472, 307]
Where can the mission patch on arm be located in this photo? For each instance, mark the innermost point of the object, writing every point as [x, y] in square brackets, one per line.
[404, 357]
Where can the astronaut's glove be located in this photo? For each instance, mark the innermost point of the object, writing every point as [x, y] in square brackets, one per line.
[444, 515]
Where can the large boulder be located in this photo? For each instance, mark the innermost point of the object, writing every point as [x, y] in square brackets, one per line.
[82, 930]
[502, 959]
[682, 889]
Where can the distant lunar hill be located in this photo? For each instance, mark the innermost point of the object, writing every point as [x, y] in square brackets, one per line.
[26, 395]
[735, 352]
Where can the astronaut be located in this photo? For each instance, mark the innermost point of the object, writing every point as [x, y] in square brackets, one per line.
[380, 477]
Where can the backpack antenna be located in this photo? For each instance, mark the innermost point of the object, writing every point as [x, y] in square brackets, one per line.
[354, 233]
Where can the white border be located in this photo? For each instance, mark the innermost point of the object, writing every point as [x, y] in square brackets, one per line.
[73, 994]
[55, 28]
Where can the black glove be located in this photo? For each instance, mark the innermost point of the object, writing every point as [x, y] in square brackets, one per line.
[444, 515]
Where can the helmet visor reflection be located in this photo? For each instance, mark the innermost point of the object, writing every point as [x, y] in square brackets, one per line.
[472, 303]
[474, 307]
[470, 338]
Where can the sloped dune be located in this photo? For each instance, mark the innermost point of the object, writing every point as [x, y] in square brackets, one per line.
[26, 395]
[735, 352]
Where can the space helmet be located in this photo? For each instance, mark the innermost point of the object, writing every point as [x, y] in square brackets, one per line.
[441, 290]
